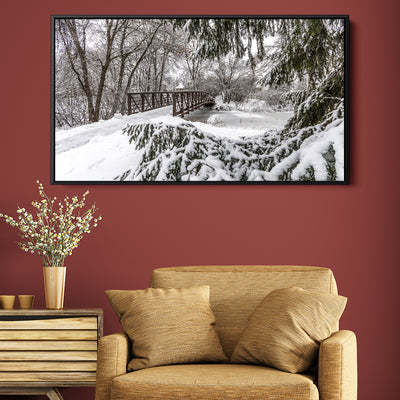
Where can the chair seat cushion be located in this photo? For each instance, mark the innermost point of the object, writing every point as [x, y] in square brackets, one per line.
[213, 381]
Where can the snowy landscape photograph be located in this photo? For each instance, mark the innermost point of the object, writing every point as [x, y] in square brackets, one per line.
[196, 100]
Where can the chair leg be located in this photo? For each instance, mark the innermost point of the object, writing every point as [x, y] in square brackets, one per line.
[54, 394]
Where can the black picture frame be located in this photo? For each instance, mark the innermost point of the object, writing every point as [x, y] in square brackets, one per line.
[53, 159]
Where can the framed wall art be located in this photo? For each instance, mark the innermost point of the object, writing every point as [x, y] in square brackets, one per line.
[200, 100]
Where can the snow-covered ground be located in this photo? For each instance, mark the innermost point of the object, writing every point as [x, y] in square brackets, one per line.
[100, 152]
[67, 139]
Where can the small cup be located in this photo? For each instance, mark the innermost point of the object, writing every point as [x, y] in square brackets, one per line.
[26, 301]
[7, 301]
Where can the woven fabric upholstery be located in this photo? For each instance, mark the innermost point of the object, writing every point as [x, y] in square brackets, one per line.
[235, 291]
[168, 326]
[286, 328]
[112, 359]
[337, 372]
[215, 381]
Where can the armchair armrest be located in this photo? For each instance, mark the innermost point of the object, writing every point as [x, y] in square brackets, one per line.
[112, 359]
[337, 368]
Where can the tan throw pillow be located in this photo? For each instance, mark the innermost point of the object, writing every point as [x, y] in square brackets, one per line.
[286, 328]
[168, 326]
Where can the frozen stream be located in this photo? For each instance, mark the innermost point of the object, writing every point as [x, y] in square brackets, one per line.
[237, 123]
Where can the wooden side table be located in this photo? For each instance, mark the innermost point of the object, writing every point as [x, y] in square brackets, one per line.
[41, 350]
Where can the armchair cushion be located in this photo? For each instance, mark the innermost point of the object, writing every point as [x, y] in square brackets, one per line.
[213, 381]
[286, 328]
[168, 326]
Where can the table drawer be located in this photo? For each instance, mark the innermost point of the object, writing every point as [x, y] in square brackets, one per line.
[55, 378]
[50, 324]
[47, 366]
[32, 345]
[51, 355]
[48, 335]
[55, 348]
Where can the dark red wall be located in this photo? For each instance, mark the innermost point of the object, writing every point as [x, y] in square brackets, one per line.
[353, 229]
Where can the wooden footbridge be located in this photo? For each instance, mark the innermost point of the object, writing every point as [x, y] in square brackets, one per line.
[182, 101]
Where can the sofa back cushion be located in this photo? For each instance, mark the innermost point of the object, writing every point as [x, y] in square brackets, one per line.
[235, 291]
[286, 329]
[168, 326]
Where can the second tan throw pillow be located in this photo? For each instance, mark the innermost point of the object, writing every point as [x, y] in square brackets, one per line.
[285, 329]
[168, 326]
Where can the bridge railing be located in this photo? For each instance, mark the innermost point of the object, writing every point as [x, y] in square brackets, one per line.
[186, 101]
[182, 101]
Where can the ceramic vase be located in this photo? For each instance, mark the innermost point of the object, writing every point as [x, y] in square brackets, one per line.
[54, 286]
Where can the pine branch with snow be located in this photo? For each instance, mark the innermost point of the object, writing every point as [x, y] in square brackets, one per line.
[182, 152]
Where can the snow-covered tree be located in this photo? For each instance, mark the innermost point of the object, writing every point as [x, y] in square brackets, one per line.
[311, 50]
[101, 58]
[229, 77]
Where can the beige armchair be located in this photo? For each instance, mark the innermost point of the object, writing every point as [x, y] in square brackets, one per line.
[234, 294]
